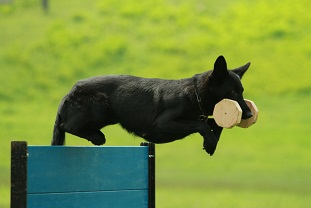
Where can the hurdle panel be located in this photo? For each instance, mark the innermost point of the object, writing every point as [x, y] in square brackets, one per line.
[66, 176]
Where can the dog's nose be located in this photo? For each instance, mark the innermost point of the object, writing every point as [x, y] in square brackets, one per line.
[247, 114]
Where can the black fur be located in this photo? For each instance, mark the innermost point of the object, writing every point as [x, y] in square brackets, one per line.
[157, 110]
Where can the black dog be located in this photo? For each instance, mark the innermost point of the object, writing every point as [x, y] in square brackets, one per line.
[157, 110]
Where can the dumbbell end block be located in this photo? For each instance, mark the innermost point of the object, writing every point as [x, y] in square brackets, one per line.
[245, 123]
[227, 113]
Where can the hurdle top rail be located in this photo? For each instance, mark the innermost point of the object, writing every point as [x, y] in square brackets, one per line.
[92, 176]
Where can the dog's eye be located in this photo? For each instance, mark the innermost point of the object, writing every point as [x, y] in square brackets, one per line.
[233, 94]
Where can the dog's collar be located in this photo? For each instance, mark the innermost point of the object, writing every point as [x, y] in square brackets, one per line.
[201, 117]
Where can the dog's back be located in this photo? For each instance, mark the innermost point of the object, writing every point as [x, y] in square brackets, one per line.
[134, 102]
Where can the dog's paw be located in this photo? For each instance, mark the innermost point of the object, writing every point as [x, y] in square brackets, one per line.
[98, 141]
[209, 146]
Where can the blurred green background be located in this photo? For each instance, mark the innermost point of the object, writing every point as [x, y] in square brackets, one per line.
[43, 53]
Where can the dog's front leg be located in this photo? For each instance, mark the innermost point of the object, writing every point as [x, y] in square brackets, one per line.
[215, 128]
[173, 129]
[213, 136]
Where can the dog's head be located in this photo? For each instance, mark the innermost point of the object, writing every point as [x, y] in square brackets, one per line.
[224, 83]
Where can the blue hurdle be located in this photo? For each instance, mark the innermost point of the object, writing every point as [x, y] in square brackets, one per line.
[92, 176]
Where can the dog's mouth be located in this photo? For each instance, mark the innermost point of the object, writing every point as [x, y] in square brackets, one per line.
[246, 114]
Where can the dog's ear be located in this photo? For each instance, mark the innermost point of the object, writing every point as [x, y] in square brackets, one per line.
[220, 69]
[241, 70]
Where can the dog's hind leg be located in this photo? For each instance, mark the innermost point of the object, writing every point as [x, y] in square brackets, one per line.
[85, 126]
[85, 117]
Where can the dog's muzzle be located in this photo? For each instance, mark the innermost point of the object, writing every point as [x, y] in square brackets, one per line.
[246, 114]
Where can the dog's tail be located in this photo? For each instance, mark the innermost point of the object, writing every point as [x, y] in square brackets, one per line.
[58, 133]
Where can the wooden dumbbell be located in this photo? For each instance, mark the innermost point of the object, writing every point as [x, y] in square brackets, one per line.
[228, 113]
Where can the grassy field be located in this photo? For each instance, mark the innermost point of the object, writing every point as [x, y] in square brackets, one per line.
[43, 54]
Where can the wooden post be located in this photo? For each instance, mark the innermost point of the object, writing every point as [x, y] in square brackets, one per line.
[151, 170]
[18, 174]
[45, 5]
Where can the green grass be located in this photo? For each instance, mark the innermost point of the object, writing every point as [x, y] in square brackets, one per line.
[229, 197]
[267, 165]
